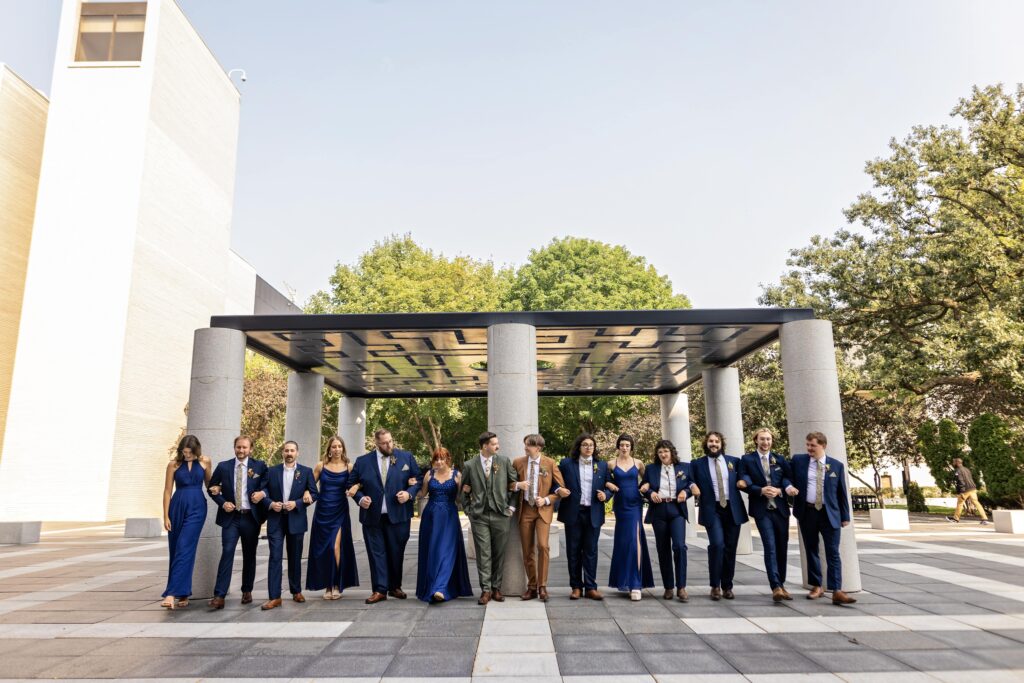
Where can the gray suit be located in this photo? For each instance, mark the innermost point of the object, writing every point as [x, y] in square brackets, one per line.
[486, 505]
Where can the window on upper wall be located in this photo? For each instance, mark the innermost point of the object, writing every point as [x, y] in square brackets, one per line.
[111, 32]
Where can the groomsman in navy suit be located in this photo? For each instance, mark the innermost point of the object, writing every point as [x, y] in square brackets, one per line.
[666, 485]
[582, 514]
[765, 475]
[236, 486]
[822, 507]
[722, 512]
[388, 481]
[290, 488]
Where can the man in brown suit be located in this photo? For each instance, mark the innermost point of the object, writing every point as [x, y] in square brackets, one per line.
[539, 480]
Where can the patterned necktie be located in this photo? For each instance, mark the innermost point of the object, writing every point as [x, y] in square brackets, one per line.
[240, 484]
[818, 486]
[383, 468]
[487, 468]
[721, 487]
[532, 482]
[768, 479]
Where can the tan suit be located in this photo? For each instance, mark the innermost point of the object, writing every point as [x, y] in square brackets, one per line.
[535, 522]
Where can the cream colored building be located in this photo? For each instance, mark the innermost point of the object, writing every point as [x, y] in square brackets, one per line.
[22, 124]
[130, 254]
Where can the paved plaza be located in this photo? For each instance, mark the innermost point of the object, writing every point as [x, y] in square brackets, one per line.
[941, 602]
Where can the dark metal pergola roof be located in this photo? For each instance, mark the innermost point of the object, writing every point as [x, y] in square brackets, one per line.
[402, 355]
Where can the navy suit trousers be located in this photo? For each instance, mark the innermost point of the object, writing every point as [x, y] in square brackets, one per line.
[816, 522]
[385, 549]
[723, 536]
[280, 540]
[774, 530]
[581, 539]
[240, 525]
[670, 540]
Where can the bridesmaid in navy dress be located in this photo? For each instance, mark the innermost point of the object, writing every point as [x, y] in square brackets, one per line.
[442, 573]
[631, 561]
[184, 515]
[332, 558]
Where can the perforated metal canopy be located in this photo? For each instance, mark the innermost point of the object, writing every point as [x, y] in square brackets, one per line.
[402, 355]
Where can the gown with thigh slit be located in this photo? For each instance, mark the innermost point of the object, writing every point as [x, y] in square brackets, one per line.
[187, 513]
[442, 553]
[330, 518]
[631, 561]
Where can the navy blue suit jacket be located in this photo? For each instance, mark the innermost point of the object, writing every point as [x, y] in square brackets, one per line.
[652, 476]
[753, 474]
[702, 476]
[224, 477]
[275, 493]
[569, 507]
[366, 471]
[834, 497]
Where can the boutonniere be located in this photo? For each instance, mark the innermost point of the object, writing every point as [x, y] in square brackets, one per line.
[405, 468]
[251, 473]
[731, 467]
[680, 475]
[595, 468]
[392, 460]
[298, 474]
[827, 467]
[543, 472]
[494, 467]
[772, 461]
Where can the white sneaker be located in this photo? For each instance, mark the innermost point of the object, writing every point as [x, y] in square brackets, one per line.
[634, 596]
[984, 522]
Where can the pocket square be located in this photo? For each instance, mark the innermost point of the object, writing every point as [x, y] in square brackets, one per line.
[405, 468]
[832, 476]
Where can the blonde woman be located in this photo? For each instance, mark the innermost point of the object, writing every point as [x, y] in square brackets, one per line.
[184, 514]
[332, 558]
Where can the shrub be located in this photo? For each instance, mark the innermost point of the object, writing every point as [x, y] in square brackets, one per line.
[915, 499]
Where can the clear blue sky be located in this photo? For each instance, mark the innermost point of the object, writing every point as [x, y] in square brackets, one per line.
[709, 137]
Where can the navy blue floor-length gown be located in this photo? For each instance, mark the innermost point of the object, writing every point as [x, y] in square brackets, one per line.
[442, 554]
[187, 512]
[330, 518]
[631, 561]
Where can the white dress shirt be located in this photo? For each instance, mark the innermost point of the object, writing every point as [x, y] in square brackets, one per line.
[241, 497]
[667, 486]
[289, 479]
[586, 481]
[720, 460]
[812, 480]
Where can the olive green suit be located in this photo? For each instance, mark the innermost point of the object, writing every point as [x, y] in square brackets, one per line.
[490, 519]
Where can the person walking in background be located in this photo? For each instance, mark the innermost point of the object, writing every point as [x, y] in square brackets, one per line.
[486, 481]
[582, 514]
[332, 557]
[965, 490]
[184, 516]
[442, 572]
[631, 561]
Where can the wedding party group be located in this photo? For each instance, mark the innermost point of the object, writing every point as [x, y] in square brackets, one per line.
[499, 495]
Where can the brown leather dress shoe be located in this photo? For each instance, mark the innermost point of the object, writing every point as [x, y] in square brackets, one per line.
[271, 604]
[777, 595]
[716, 594]
[785, 593]
[728, 594]
[298, 597]
[497, 596]
[375, 597]
[485, 598]
[246, 598]
[529, 594]
[816, 592]
[668, 594]
[841, 598]
[683, 595]
[397, 593]
[594, 594]
[542, 593]
[576, 594]
[216, 602]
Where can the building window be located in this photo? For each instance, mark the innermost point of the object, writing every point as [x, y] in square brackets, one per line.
[111, 32]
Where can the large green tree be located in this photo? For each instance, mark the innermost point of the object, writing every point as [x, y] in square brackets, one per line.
[996, 451]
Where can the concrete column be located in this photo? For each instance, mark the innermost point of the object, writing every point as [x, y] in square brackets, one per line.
[811, 383]
[215, 418]
[512, 414]
[303, 414]
[352, 430]
[724, 414]
[675, 426]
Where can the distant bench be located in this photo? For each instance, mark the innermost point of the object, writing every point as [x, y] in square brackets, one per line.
[864, 502]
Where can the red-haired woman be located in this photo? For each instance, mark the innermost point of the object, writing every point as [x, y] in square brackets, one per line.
[443, 572]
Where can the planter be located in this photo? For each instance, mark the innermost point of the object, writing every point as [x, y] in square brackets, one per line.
[890, 520]
[1009, 521]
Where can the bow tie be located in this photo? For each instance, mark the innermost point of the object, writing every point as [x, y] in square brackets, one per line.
[586, 462]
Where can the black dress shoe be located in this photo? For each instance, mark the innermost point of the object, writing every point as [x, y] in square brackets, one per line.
[397, 593]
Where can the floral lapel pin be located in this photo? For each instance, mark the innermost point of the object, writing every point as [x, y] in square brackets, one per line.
[731, 467]
[543, 472]
[773, 462]
[827, 467]
[595, 468]
[392, 460]
[251, 473]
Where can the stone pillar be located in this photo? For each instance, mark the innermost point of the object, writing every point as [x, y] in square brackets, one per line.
[512, 414]
[303, 414]
[352, 430]
[811, 383]
[215, 418]
[724, 414]
[675, 426]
